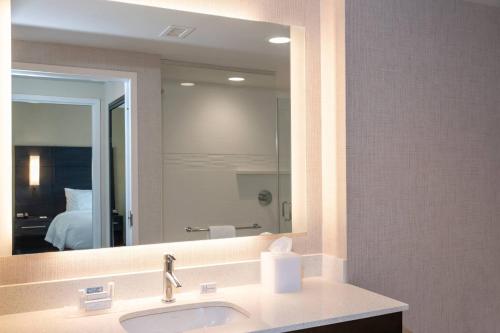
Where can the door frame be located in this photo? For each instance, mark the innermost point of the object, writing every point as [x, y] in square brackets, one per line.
[120, 101]
[129, 79]
[98, 200]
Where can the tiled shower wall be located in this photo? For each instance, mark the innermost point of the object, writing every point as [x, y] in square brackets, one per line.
[205, 189]
[219, 146]
[423, 124]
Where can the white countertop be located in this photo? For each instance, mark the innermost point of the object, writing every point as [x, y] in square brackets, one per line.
[319, 303]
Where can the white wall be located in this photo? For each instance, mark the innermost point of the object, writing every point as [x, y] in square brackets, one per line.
[113, 90]
[57, 87]
[61, 88]
[37, 124]
[219, 119]
[210, 132]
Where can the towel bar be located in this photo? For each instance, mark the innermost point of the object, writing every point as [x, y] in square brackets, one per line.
[253, 226]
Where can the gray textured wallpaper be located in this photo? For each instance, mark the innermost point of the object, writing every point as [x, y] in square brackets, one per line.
[423, 150]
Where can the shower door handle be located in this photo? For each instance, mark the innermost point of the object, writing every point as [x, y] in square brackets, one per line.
[286, 211]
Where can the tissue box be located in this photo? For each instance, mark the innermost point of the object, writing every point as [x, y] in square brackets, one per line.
[281, 272]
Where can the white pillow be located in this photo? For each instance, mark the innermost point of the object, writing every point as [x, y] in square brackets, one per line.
[78, 199]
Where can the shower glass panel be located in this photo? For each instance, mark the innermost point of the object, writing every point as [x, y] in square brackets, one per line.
[226, 152]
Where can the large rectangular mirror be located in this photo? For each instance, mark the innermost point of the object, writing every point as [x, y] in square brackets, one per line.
[221, 88]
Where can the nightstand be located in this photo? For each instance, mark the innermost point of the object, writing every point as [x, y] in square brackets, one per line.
[117, 231]
[29, 235]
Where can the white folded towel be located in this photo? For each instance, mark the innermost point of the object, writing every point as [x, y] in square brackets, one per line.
[221, 231]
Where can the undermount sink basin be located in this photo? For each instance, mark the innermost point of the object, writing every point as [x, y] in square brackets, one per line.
[182, 318]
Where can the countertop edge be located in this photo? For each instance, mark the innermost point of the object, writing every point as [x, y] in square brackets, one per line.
[332, 321]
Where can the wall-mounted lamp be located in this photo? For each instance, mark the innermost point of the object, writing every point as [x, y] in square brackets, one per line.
[34, 170]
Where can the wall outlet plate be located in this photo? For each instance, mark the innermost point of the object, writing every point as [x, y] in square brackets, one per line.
[208, 288]
[96, 298]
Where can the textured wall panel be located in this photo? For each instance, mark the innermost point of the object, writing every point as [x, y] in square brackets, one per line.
[423, 119]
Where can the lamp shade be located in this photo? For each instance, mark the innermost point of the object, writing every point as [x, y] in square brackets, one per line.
[34, 170]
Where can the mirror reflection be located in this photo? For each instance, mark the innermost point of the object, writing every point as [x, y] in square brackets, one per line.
[221, 88]
[117, 166]
[227, 153]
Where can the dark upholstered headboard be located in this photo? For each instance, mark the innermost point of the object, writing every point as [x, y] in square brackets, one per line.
[60, 167]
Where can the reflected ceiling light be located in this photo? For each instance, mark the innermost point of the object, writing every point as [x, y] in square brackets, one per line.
[236, 79]
[279, 40]
[187, 84]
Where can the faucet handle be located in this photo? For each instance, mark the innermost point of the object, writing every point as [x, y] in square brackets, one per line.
[168, 257]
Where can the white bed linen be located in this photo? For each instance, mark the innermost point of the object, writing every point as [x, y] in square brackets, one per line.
[78, 199]
[71, 230]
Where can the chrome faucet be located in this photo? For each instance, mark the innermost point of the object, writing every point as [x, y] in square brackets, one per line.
[169, 279]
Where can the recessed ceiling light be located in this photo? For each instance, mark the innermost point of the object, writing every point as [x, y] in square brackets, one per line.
[187, 84]
[236, 79]
[279, 40]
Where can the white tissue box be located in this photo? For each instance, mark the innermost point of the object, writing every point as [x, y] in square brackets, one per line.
[281, 272]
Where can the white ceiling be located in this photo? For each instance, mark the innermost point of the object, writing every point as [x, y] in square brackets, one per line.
[216, 40]
[200, 74]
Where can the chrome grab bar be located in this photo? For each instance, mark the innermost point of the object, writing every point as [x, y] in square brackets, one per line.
[253, 226]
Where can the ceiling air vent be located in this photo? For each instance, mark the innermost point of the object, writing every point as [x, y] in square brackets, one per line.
[176, 31]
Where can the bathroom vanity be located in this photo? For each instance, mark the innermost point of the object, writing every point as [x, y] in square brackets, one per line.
[321, 306]
[181, 131]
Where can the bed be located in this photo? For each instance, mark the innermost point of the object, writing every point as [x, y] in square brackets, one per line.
[64, 194]
[71, 230]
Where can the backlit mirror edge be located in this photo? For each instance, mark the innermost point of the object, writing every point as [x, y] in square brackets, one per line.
[5, 130]
[299, 129]
[298, 120]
